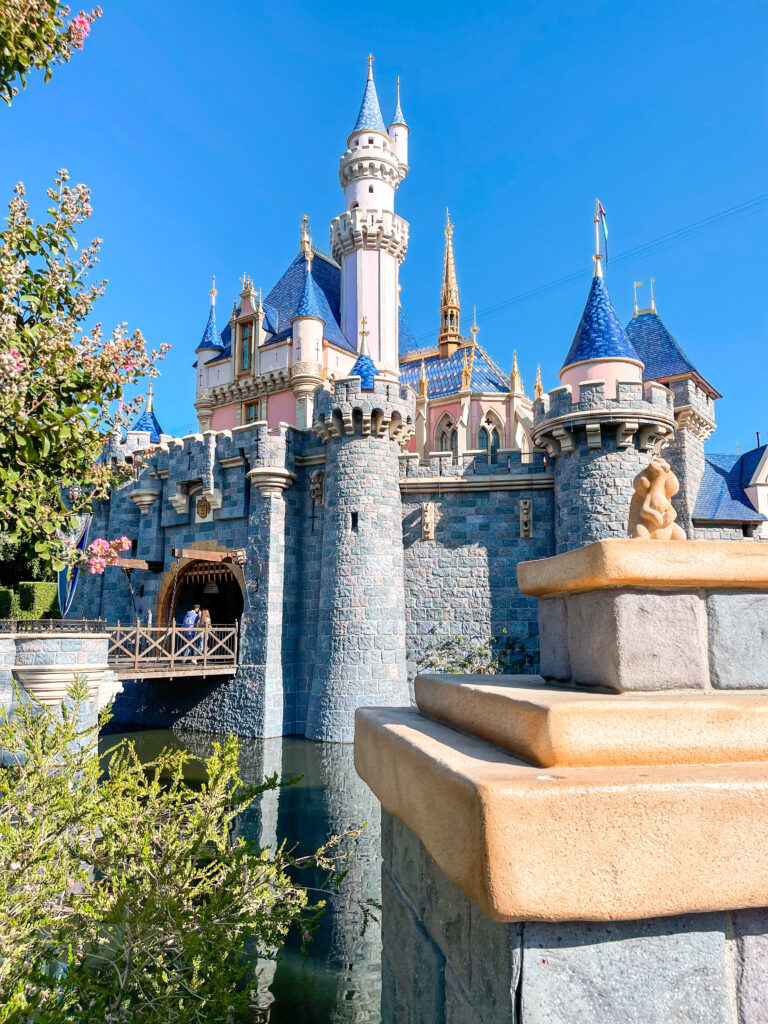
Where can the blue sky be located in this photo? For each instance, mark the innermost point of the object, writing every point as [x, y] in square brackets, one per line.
[206, 131]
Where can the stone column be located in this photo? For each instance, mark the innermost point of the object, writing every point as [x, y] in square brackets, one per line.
[361, 630]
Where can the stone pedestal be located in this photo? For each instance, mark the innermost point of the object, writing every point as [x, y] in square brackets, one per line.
[556, 854]
[654, 615]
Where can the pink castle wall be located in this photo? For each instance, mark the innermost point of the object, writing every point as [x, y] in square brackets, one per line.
[281, 408]
[224, 418]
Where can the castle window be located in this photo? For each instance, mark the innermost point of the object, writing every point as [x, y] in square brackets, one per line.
[245, 347]
[488, 438]
[251, 413]
[449, 440]
[353, 521]
[370, 142]
[370, 188]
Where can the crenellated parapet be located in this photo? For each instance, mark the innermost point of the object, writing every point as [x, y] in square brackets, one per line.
[371, 160]
[387, 411]
[641, 415]
[369, 229]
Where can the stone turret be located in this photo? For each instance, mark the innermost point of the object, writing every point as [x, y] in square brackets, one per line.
[600, 427]
[361, 632]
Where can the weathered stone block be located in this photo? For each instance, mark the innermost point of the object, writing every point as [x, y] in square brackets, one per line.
[553, 638]
[661, 971]
[750, 931]
[633, 639]
[738, 639]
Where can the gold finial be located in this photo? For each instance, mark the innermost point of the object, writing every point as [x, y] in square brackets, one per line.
[259, 307]
[638, 284]
[234, 308]
[474, 328]
[150, 397]
[423, 382]
[538, 390]
[370, 67]
[213, 293]
[398, 90]
[465, 374]
[364, 332]
[653, 301]
[448, 225]
[305, 244]
[515, 380]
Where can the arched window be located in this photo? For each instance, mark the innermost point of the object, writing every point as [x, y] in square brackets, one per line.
[489, 442]
[494, 446]
[482, 444]
[448, 439]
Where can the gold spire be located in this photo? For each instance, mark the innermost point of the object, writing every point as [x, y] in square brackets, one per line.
[150, 407]
[515, 380]
[234, 308]
[653, 301]
[305, 244]
[423, 382]
[370, 67]
[449, 337]
[398, 92]
[538, 390]
[364, 332]
[213, 293]
[465, 374]
[637, 284]
[474, 329]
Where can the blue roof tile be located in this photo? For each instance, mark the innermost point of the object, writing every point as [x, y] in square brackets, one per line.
[721, 496]
[369, 118]
[148, 422]
[406, 340]
[365, 369]
[211, 337]
[309, 303]
[599, 334]
[661, 354]
[286, 295]
[444, 375]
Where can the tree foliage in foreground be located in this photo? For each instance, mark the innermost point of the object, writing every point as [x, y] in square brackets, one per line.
[128, 898]
[61, 384]
[36, 35]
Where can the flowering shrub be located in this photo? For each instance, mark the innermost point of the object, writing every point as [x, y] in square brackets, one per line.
[37, 36]
[102, 553]
[127, 897]
[61, 385]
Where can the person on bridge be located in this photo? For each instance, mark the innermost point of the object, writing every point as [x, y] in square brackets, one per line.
[191, 619]
[204, 623]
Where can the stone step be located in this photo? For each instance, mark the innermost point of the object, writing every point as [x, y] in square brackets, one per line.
[550, 725]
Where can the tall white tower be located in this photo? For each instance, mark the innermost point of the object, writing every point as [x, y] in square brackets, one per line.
[369, 240]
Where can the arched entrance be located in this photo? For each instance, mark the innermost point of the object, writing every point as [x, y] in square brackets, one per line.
[217, 586]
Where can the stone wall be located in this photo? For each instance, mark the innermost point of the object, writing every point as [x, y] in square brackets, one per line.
[445, 962]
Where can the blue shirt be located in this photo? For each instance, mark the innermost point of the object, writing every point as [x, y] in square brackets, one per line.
[191, 618]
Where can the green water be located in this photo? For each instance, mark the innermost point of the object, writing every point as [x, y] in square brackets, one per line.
[338, 981]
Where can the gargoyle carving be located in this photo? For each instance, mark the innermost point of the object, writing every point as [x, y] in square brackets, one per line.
[651, 516]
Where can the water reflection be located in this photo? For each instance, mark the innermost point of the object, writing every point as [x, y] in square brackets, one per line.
[339, 980]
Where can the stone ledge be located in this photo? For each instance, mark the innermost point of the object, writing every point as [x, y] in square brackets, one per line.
[650, 564]
[478, 482]
[576, 844]
[554, 726]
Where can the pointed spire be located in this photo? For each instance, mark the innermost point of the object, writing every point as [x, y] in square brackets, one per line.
[538, 389]
[305, 242]
[423, 382]
[600, 334]
[234, 309]
[653, 301]
[637, 284]
[597, 256]
[364, 367]
[474, 329]
[147, 422]
[449, 337]
[515, 380]
[369, 118]
[211, 337]
[398, 117]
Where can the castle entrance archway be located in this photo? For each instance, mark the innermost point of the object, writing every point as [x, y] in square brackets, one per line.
[217, 586]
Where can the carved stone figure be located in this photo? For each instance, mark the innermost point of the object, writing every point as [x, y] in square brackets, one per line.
[317, 486]
[651, 516]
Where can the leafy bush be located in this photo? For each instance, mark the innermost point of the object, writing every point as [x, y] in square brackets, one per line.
[6, 602]
[38, 600]
[462, 654]
[126, 897]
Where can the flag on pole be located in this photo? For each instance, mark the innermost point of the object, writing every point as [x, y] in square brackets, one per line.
[604, 226]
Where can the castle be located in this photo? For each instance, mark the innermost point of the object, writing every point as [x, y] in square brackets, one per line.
[383, 495]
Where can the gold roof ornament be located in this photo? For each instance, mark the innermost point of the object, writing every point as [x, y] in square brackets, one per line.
[474, 329]
[466, 373]
[653, 301]
[364, 332]
[515, 380]
[423, 382]
[449, 337]
[213, 293]
[305, 243]
[150, 406]
[637, 284]
[370, 67]
[538, 389]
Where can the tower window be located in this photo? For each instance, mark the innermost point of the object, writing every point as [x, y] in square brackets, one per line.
[353, 521]
[245, 347]
[370, 142]
[251, 413]
[370, 188]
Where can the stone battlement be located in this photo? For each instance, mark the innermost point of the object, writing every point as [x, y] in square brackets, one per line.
[644, 396]
[386, 411]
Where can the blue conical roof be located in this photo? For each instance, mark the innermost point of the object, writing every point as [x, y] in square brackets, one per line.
[398, 117]
[599, 334]
[369, 118]
[309, 303]
[147, 422]
[365, 369]
[211, 337]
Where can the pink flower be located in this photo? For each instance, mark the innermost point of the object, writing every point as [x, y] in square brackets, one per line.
[79, 28]
[97, 566]
[100, 546]
[125, 544]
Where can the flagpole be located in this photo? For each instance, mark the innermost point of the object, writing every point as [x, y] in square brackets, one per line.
[597, 257]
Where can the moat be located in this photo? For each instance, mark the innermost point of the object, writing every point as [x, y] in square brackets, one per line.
[338, 980]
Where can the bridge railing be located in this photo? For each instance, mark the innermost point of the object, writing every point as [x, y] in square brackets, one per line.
[145, 651]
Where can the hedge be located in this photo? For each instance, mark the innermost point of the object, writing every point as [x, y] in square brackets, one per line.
[38, 600]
